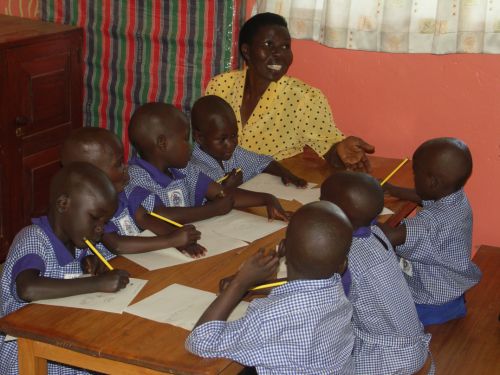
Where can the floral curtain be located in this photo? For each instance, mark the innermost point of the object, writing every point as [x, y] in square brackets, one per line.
[403, 26]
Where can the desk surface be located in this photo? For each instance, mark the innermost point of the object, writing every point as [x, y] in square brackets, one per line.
[146, 343]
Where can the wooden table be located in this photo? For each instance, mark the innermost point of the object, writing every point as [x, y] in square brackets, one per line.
[127, 344]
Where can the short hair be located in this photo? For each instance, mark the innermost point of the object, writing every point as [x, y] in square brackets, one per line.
[79, 177]
[253, 24]
[206, 108]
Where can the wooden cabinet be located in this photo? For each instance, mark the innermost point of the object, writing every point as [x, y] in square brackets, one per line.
[40, 103]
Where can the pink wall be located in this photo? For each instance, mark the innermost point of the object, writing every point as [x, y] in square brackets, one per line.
[396, 101]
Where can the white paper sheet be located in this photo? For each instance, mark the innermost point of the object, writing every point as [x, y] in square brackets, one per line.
[282, 273]
[110, 302]
[180, 306]
[213, 242]
[240, 225]
[267, 183]
[386, 211]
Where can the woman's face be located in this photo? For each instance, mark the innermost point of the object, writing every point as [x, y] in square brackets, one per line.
[270, 54]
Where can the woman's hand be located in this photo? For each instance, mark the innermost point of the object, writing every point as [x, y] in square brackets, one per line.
[352, 152]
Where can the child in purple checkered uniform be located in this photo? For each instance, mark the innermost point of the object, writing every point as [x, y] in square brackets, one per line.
[103, 149]
[46, 258]
[435, 246]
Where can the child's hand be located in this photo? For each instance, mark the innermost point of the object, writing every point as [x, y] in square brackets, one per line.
[274, 209]
[113, 281]
[257, 269]
[92, 265]
[224, 283]
[193, 250]
[187, 235]
[234, 179]
[223, 204]
[388, 188]
[290, 178]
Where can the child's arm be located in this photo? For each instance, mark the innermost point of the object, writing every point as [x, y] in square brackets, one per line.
[233, 179]
[396, 236]
[244, 198]
[31, 286]
[287, 177]
[217, 206]
[145, 221]
[402, 193]
[255, 270]
[180, 238]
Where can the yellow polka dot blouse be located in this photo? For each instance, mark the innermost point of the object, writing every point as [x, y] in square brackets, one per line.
[290, 114]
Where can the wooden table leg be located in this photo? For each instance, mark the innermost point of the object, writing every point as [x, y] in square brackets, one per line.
[28, 362]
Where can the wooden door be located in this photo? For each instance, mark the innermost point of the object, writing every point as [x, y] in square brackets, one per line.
[44, 85]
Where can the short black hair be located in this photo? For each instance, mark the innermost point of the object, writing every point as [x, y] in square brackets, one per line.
[252, 25]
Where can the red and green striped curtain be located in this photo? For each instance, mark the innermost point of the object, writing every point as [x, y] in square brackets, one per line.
[148, 50]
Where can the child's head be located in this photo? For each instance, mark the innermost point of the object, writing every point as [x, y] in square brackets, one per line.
[359, 195]
[214, 127]
[160, 134]
[317, 241]
[99, 147]
[82, 200]
[441, 166]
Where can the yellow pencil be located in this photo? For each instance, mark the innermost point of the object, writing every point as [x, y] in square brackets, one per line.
[270, 285]
[394, 171]
[165, 219]
[98, 254]
[224, 177]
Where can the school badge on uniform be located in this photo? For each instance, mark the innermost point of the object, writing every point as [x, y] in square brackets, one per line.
[127, 226]
[176, 198]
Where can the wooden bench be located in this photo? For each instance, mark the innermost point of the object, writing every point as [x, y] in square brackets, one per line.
[471, 345]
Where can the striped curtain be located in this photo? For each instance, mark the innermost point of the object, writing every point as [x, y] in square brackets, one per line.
[148, 50]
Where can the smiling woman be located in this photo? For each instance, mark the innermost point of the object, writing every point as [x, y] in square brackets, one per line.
[276, 114]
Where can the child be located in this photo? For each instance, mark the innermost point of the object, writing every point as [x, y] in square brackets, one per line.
[216, 151]
[45, 258]
[103, 149]
[302, 327]
[435, 245]
[160, 134]
[389, 337]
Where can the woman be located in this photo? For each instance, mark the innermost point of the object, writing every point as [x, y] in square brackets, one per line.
[279, 115]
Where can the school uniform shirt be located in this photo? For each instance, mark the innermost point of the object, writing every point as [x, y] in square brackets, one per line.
[35, 247]
[289, 115]
[251, 163]
[436, 256]
[389, 336]
[186, 188]
[302, 327]
[129, 201]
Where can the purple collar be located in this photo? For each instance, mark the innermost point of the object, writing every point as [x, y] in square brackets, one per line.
[364, 232]
[158, 176]
[122, 203]
[63, 255]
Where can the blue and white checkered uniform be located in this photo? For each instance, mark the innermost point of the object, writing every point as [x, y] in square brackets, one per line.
[389, 336]
[302, 327]
[438, 248]
[34, 247]
[251, 163]
[187, 188]
[129, 201]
